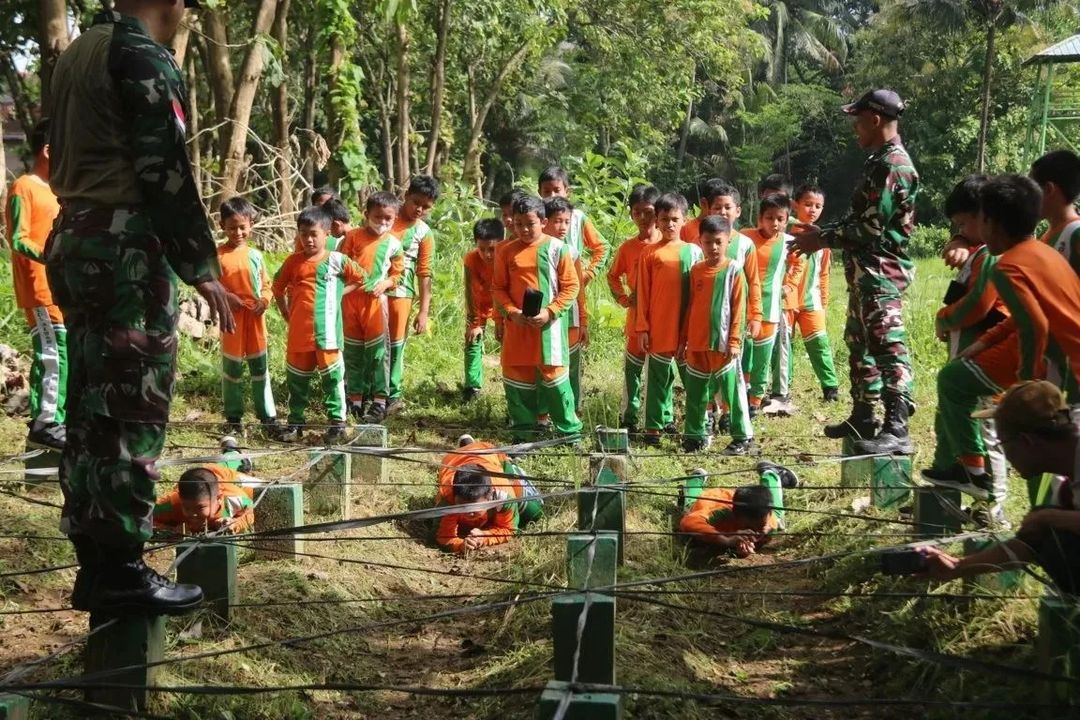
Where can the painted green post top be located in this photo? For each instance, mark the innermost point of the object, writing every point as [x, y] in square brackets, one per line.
[370, 468]
[582, 706]
[14, 707]
[601, 509]
[281, 506]
[612, 440]
[133, 642]
[596, 660]
[604, 549]
[937, 511]
[211, 566]
[37, 465]
[327, 487]
[890, 481]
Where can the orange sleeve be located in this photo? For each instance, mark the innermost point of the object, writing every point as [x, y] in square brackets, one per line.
[19, 223]
[697, 522]
[1033, 332]
[283, 278]
[569, 286]
[598, 251]
[501, 529]
[424, 254]
[999, 332]
[793, 273]
[500, 284]
[168, 512]
[824, 275]
[615, 279]
[753, 281]
[644, 293]
[447, 534]
[971, 308]
[477, 298]
[738, 316]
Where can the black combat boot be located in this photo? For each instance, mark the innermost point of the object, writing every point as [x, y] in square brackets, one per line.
[860, 424]
[86, 552]
[126, 585]
[893, 438]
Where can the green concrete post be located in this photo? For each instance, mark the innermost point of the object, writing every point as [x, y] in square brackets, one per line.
[281, 506]
[46, 460]
[612, 440]
[132, 641]
[853, 473]
[937, 511]
[369, 468]
[596, 659]
[890, 482]
[604, 547]
[14, 707]
[582, 706]
[327, 487]
[211, 566]
[604, 509]
[1058, 649]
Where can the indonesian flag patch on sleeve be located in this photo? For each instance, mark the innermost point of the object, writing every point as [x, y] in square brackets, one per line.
[178, 113]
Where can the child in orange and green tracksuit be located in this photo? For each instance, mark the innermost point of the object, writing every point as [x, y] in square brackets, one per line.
[535, 269]
[583, 240]
[663, 293]
[560, 217]
[243, 274]
[622, 280]
[735, 519]
[780, 274]
[807, 311]
[418, 246]
[474, 474]
[964, 444]
[31, 209]
[479, 267]
[365, 312]
[206, 498]
[308, 289]
[1058, 176]
[712, 327]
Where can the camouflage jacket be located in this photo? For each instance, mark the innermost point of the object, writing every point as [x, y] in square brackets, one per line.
[874, 233]
[118, 139]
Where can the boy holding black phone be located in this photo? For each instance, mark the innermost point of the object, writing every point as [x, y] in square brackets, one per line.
[533, 286]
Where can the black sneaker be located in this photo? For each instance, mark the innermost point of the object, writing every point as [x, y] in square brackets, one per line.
[830, 394]
[723, 423]
[670, 429]
[738, 448]
[357, 409]
[335, 433]
[788, 479]
[292, 433]
[376, 413]
[394, 406]
[51, 436]
[630, 426]
[956, 477]
[270, 428]
[753, 411]
[233, 426]
[651, 439]
[695, 444]
[710, 422]
[469, 394]
[126, 585]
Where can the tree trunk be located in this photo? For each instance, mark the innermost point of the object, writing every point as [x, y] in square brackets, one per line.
[19, 95]
[280, 111]
[438, 85]
[471, 171]
[984, 119]
[181, 39]
[307, 116]
[244, 98]
[219, 72]
[684, 138]
[388, 144]
[193, 122]
[403, 121]
[3, 186]
[54, 39]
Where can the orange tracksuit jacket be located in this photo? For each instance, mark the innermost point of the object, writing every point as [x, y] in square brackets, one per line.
[496, 523]
[30, 211]
[479, 307]
[243, 273]
[622, 279]
[364, 316]
[516, 268]
[713, 326]
[712, 515]
[233, 502]
[662, 295]
[691, 232]
[792, 270]
[297, 279]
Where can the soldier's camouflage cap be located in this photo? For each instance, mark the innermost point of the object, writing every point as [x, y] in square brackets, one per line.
[881, 101]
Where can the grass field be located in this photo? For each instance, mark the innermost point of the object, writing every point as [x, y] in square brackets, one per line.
[677, 646]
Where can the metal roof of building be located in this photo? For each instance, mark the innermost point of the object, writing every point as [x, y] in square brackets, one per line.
[1068, 50]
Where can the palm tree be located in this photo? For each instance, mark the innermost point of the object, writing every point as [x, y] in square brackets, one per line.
[815, 31]
[990, 16]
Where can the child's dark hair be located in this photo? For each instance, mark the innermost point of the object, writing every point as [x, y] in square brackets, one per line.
[775, 201]
[424, 185]
[716, 188]
[964, 197]
[471, 484]
[554, 173]
[556, 205]
[488, 229]
[714, 224]
[775, 183]
[1013, 202]
[643, 194]
[197, 483]
[339, 212]
[671, 201]
[510, 196]
[752, 502]
[806, 189]
[39, 136]
[530, 204]
[314, 216]
[324, 190]
[1061, 167]
[237, 206]
[381, 200]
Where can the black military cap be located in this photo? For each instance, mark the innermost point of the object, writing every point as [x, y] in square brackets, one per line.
[192, 4]
[883, 102]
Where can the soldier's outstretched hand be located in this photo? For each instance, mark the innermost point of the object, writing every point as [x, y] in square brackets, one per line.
[808, 241]
[217, 297]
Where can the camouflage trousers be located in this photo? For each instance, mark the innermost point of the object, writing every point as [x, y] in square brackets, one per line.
[878, 360]
[108, 274]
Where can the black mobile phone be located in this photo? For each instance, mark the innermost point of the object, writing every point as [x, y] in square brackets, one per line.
[903, 562]
[956, 291]
[532, 303]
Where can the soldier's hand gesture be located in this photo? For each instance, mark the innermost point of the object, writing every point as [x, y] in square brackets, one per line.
[808, 241]
[217, 297]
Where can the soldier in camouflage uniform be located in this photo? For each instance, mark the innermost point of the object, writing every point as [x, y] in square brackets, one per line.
[874, 237]
[131, 221]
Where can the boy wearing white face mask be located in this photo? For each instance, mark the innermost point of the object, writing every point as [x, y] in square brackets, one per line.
[364, 311]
